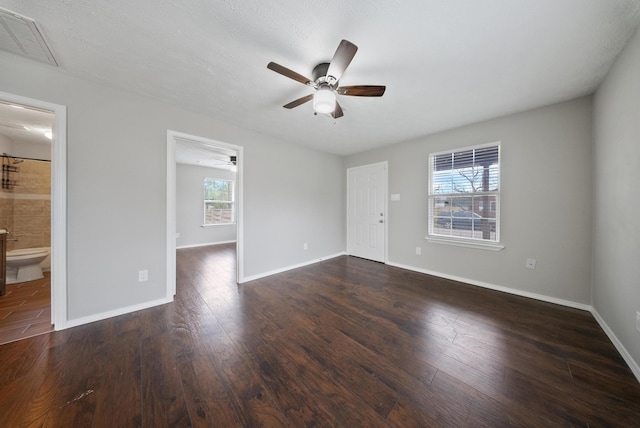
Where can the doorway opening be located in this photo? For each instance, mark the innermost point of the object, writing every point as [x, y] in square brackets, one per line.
[33, 212]
[198, 170]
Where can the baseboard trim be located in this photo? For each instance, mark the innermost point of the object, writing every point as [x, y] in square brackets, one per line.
[116, 312]
[509, 290]
[205, 244]
[633, 365]
[287, 268]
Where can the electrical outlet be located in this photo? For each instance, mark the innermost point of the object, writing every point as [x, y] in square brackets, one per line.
[305, 246]
[638, 321]
[531, 264]
[418, 250]
[143, 275]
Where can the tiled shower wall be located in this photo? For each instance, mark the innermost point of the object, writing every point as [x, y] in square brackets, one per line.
[25, 209]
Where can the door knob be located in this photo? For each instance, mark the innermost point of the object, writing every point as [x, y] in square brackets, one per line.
[381, 221]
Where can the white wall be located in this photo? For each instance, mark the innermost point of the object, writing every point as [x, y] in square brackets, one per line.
[116, 169]
[189, 207]
[23, 149]
[6, 144]
[301, 189]
[545, 202]
[616, 237]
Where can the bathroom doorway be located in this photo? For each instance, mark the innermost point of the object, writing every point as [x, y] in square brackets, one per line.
[193, 163]
[33, 212]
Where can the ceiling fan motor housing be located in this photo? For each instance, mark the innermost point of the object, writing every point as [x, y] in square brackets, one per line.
[320, 74]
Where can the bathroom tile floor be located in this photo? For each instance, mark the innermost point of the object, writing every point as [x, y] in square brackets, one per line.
[25, 310]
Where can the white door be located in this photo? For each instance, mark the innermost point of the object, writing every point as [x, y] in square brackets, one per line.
[367, 211]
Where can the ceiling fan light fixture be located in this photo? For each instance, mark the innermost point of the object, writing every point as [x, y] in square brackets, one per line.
[326, 76]
[324, 100]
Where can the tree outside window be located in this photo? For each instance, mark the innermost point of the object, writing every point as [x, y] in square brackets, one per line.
[219, 207]
[464, 193]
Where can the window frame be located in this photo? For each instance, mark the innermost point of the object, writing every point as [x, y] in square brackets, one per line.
[463, 241]
[231, 202]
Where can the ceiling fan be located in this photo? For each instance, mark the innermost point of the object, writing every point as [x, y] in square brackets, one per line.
[233, 160]
[325, 82]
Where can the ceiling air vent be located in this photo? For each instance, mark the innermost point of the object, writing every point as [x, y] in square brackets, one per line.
[20, 35]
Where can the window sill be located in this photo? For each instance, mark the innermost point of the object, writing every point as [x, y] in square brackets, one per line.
[204, 226]
[493, 246]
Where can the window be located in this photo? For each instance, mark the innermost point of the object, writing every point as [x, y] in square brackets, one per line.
[219, 205]
[464, 195]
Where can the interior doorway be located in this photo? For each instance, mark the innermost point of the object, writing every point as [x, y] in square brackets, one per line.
[33, 141]
[206, 153]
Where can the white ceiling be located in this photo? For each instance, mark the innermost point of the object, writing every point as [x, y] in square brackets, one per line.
[445, 63]
[25, 125]
[195, 153]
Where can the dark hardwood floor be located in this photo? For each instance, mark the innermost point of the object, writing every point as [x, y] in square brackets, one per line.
[346, 342]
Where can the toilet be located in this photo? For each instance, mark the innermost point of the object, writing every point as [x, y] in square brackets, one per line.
[25, 264]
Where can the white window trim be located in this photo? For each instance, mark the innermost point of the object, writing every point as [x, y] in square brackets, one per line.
[460, 241]
[205, 226]
[468, 243]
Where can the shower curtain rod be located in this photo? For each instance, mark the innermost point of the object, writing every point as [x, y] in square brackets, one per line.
[6, 155]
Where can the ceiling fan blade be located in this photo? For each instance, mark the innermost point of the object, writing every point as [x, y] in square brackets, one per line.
[337, 112]
[299, 101]
[288, 73]
[362, 90]
[341, 59]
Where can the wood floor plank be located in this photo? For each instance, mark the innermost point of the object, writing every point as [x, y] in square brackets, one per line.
[206, 394]
[344, 342]
[299, 407]
[397, 344]
[349, 374]
[26, 400]
[118, 392]
[163, 402]
[253, 403]
[77, 381]
[275, 372]
[313, 378]
[332, 397]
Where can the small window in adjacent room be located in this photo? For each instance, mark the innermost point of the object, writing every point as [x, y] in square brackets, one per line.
[219, 207]
[464, 196]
